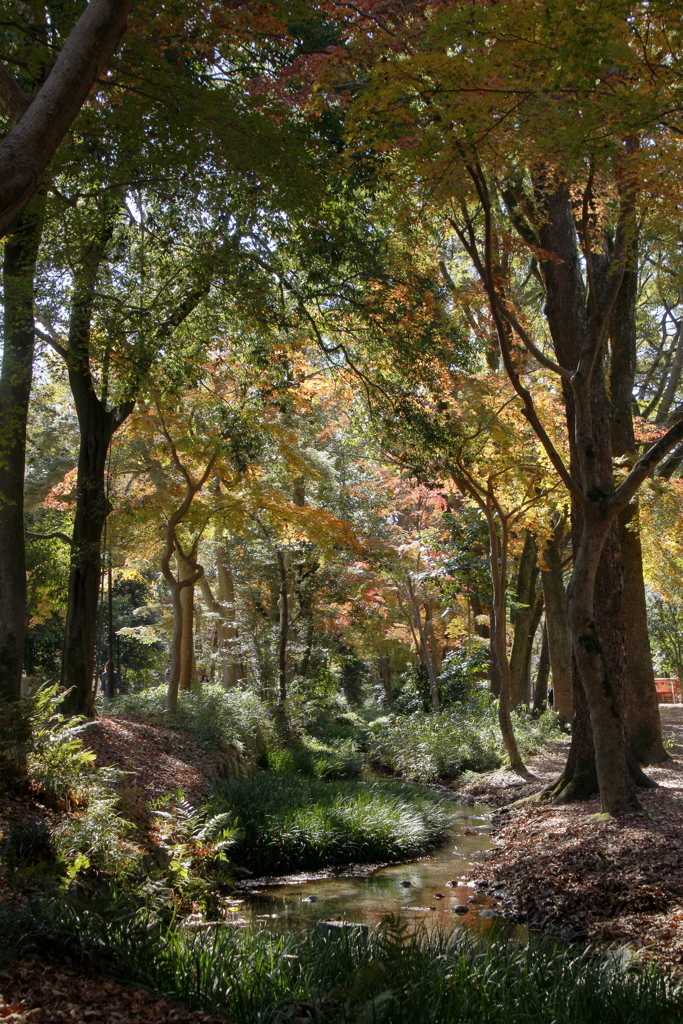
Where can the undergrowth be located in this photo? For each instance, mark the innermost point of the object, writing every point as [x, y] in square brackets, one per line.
[464, 737]
[290, 823]
[384, 977]
[211, 713]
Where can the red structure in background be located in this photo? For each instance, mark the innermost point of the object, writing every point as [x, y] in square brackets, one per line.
[668, 691]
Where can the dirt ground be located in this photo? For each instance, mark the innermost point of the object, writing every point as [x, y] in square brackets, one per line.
[564, 872]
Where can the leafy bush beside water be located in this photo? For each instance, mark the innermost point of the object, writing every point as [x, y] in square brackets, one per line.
[465, 737]
[381, 978]
[290, 823]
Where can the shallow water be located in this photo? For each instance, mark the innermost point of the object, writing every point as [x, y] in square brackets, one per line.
[436, 886]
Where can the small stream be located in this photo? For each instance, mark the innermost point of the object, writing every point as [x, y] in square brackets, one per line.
[421, 892]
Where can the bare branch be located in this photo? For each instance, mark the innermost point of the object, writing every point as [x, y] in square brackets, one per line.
[57, 535]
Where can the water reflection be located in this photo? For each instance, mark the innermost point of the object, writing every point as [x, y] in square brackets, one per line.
[431, 891]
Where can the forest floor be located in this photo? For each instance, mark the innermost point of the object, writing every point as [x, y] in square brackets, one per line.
[156, 760]
[35, 991]
[561, 870]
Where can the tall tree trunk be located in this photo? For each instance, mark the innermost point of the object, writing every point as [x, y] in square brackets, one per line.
[498, 565]
[308, 645]
[640, 706]
[497, 560]
[21, 253]
[235, 670]
[537, 614]
[188, 665]
[384, 670]
[541, 681]
[597, 641]
[557, 624]
[425, 652]
[96, 426]
[525, 599]
[176, 645]
[96, 430]
[617, 792]
[283, 606]
[224, 612]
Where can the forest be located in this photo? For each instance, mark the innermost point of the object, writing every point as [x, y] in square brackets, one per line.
[341, 511]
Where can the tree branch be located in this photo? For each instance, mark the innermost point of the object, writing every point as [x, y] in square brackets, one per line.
[645, 465]
[26, 151]
[57, 535]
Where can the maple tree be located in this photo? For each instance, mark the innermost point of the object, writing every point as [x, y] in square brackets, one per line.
[499, 160]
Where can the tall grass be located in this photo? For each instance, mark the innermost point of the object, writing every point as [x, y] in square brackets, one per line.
[463, 737]
[381, 978]
[290, 823]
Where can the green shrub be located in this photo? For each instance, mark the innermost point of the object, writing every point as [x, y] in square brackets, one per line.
[42, 748]
[95, 836]
[291, 823]
[214, 715]
[463, 737]
[305, 755]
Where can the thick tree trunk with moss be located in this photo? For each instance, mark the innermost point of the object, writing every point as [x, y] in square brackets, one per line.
[21, 252]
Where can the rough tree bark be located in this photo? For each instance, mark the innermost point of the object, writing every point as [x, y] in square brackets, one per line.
[41, 123]
[97, 424]
[640, 706]
[577, 333]
[21, 252]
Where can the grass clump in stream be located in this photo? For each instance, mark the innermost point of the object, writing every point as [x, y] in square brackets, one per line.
[292, 823]
[385, 977]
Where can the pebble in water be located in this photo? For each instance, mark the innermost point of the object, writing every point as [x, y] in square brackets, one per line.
[406, 884]
[461, 909]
